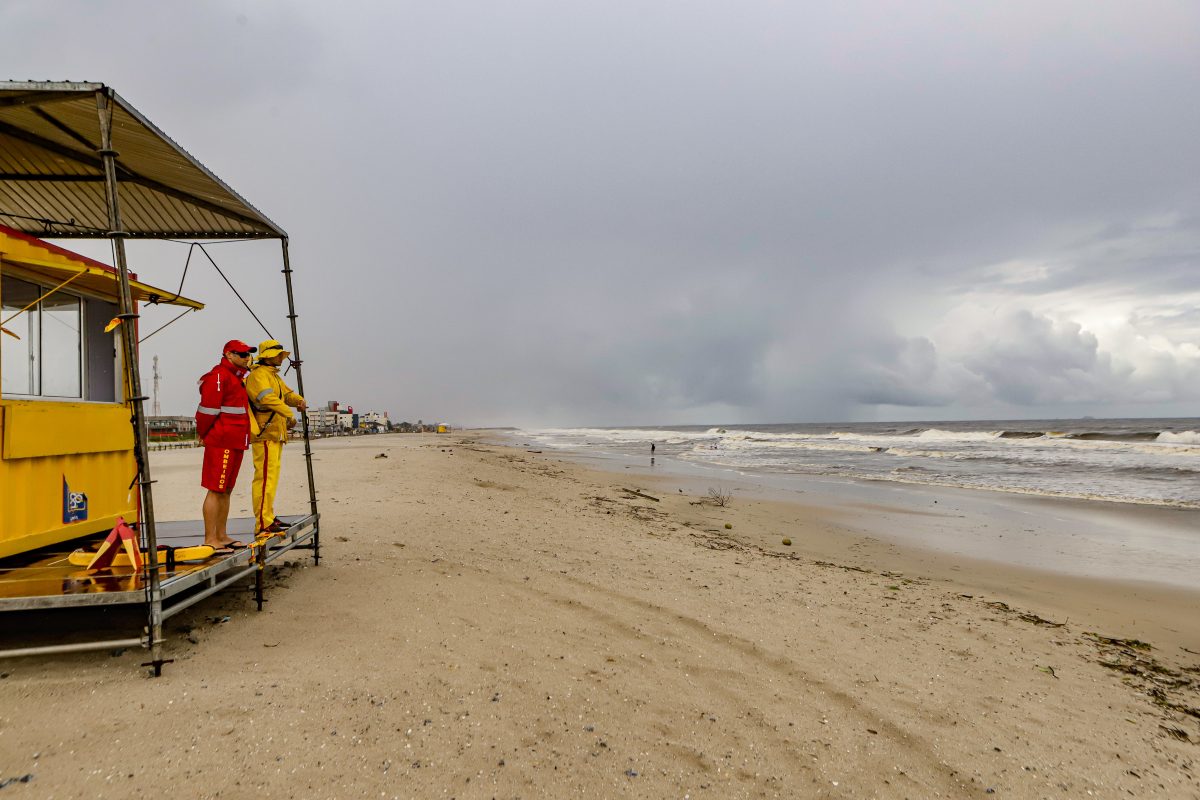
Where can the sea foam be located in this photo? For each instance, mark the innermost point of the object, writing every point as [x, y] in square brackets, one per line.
[1185, 437]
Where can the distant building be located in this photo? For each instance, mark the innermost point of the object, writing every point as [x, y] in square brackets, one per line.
[333, 419]
[420, 426]
[322, 421]
[171, 428]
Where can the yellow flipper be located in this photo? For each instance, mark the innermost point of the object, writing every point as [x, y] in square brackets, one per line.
[81, 558]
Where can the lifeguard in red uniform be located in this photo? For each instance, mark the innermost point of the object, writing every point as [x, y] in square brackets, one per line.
[223, 425]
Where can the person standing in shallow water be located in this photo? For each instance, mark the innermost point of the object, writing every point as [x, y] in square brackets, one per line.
[652, 452]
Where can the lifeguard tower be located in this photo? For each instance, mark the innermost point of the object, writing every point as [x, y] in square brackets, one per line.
[78, 161]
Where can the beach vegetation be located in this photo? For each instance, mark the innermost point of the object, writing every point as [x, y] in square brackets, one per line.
[1134, 644]
[719, 496]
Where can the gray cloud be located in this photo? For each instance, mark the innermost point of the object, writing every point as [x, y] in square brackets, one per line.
[1030, 360]
[899, 373]
[540, 212]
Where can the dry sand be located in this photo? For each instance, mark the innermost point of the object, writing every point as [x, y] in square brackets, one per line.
[487, 622]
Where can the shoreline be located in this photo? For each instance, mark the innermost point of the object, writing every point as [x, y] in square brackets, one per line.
[1143, 462]
[1070, 536]
[858, 522]
[487, 622]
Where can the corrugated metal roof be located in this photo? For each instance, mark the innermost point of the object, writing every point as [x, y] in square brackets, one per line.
[52, 178]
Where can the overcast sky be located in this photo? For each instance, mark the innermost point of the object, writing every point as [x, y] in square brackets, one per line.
[564, 213]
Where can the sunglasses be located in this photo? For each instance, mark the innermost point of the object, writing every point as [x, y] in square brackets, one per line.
[240, 353]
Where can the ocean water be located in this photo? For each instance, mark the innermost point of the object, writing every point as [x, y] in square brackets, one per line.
[1150, 461]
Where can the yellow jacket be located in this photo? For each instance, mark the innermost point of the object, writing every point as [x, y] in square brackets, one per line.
[272, 402]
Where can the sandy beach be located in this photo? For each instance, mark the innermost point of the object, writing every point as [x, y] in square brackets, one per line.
[491, 622]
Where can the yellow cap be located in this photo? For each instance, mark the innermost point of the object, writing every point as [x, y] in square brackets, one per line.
[270, 348]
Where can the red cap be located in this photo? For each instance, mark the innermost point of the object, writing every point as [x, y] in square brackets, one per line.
[237, 346]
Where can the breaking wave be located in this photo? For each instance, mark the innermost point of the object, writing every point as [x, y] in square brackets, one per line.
[1143, 461]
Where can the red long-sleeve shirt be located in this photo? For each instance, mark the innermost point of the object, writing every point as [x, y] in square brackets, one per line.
[222, 418]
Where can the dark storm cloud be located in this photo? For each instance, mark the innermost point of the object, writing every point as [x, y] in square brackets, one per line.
[541, 212]
[898, 372]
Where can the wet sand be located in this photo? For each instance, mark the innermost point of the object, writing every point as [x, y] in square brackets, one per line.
[1063, 535]
[1097, 563]
[489, 622]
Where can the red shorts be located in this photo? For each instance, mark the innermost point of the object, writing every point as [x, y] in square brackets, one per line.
[220, 468]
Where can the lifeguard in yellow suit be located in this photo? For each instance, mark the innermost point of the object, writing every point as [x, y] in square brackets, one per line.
[272, 401]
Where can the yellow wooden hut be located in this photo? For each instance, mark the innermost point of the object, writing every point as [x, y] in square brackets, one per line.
[67, 464]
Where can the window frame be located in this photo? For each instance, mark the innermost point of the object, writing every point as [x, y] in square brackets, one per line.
[82, 296]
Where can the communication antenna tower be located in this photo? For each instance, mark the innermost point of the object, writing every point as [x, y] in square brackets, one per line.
[157, 410]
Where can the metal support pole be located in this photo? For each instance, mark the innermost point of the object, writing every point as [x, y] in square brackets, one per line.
[260, 563]
[297, 362]
[111, 644]
[134, 380]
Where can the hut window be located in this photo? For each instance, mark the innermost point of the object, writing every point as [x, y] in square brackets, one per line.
[47, 359]
[19, 368]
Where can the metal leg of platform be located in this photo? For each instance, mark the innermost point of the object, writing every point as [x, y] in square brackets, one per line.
[129, 341]
[260, 564]
[297, 362]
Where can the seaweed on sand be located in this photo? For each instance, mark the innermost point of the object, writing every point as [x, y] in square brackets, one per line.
[1170, 689]
[1134, 644]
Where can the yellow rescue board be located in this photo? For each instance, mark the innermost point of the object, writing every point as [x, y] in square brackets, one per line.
[81, 558]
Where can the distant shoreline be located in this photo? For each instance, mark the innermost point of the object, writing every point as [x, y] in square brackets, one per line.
[1090, 538]
[1151, 461]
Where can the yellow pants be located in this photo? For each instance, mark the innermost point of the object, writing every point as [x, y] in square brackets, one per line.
[266, 481]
